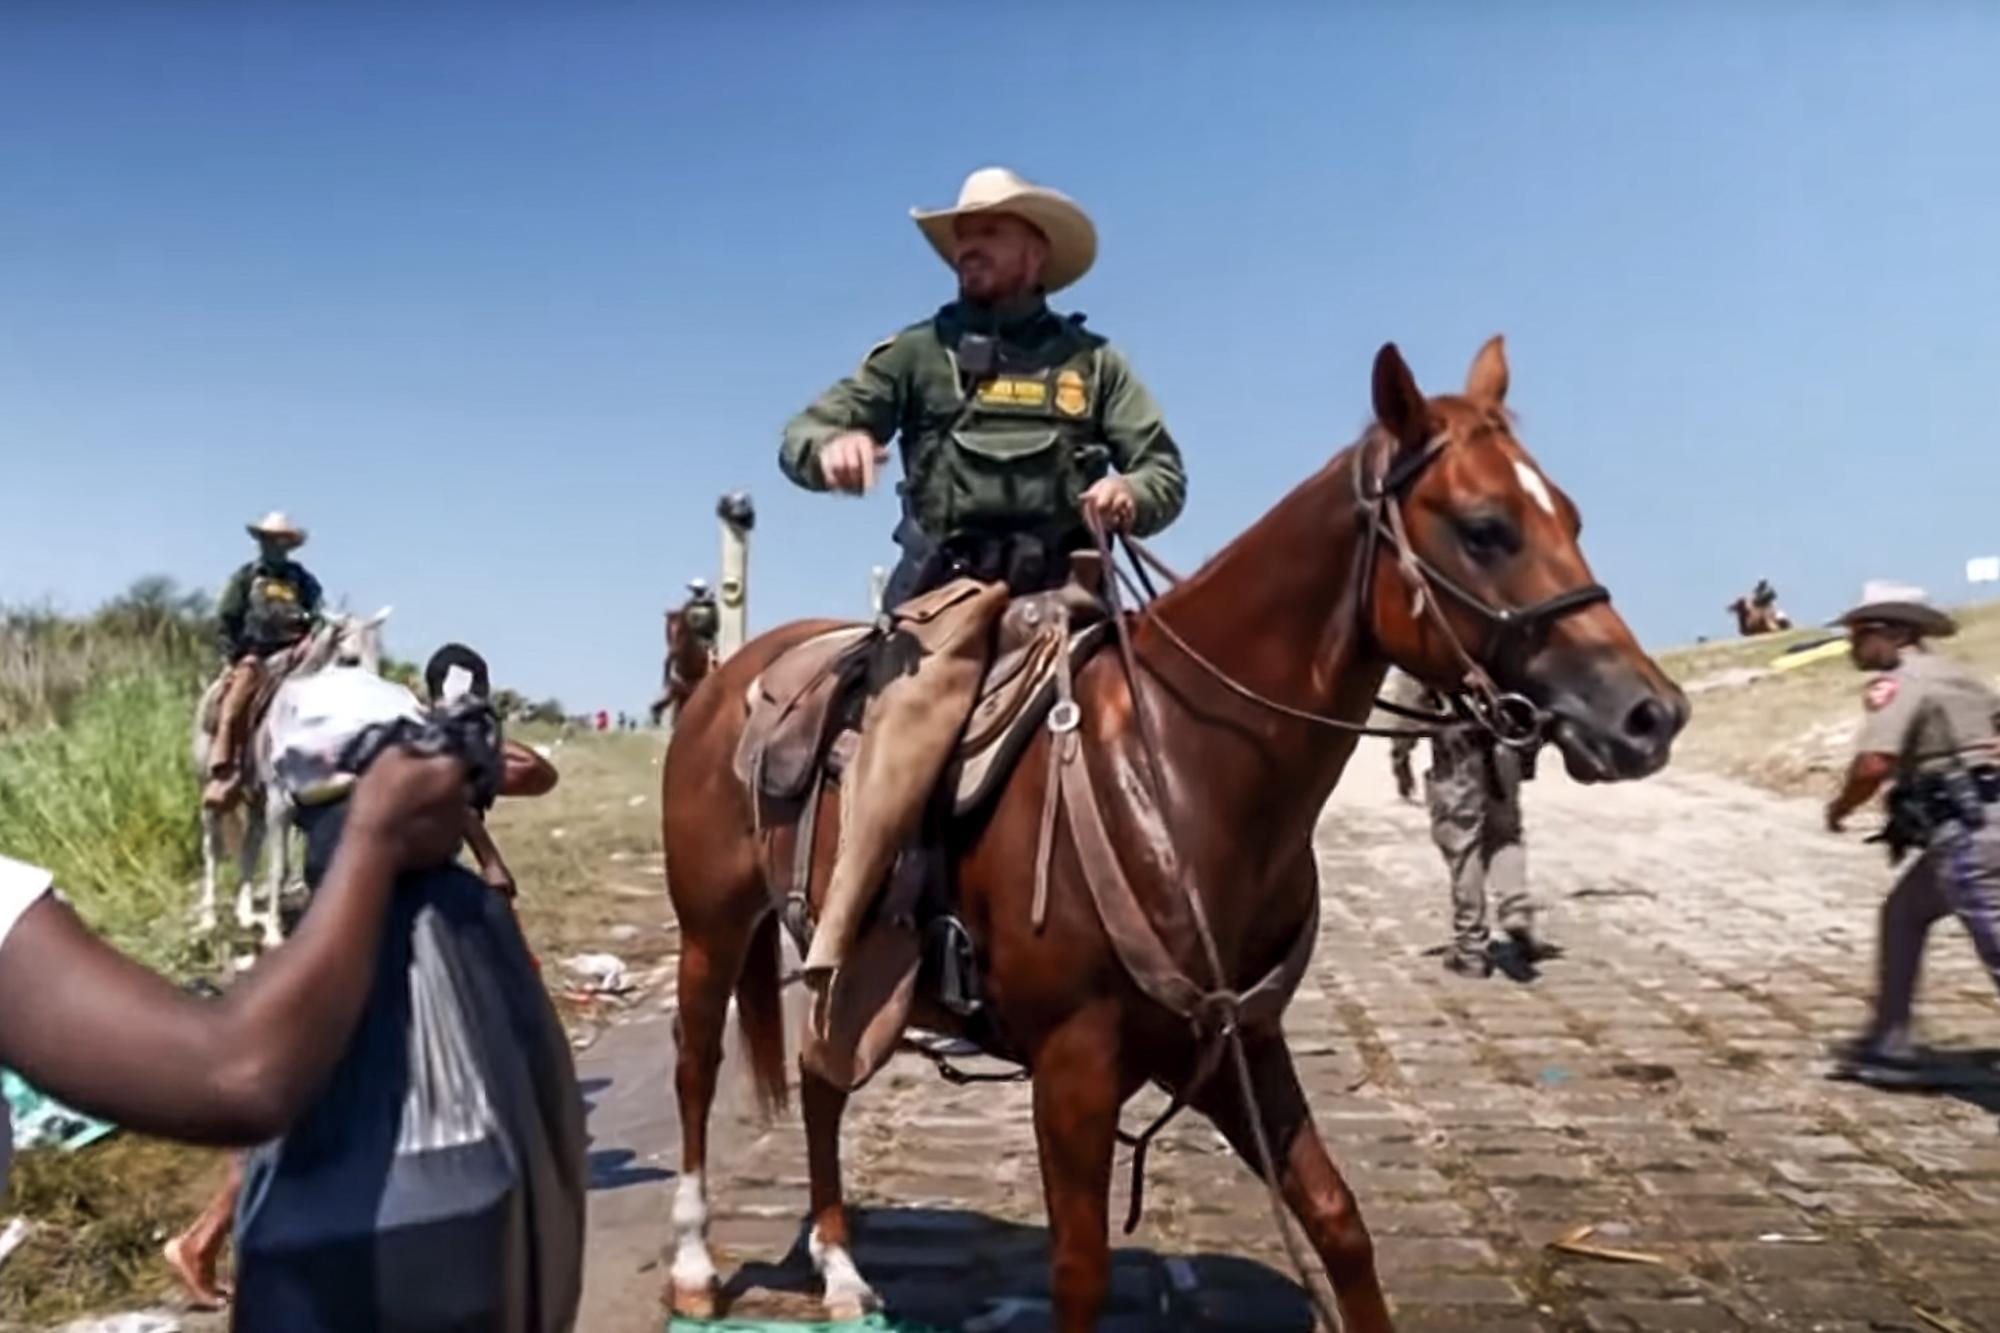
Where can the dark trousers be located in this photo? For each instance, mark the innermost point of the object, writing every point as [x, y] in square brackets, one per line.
[1958, 874]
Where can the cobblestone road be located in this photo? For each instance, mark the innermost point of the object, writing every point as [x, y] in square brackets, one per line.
[1658, 1081]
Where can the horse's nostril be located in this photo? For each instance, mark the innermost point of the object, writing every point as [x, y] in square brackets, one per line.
[1648, 720]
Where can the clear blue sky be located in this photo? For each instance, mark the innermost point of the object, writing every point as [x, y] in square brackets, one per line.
[498, 301]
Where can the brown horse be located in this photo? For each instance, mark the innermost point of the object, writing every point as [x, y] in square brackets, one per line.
[1433, 543]
[689, 659]
[1755, 616]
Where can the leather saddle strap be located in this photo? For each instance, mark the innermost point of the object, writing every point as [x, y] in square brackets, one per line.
[1062, 722]
[805, 834]
[1140, 950]
[1138, 946]
[1264, 1003]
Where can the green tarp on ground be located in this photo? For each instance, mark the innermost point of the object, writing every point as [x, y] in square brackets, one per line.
[40, 1121]
[874, 1323]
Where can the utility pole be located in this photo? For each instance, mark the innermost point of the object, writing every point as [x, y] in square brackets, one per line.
[738, 516]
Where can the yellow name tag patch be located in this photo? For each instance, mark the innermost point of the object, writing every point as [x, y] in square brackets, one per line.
[1014, 392]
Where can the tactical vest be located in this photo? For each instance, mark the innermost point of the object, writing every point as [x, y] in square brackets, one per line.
[1010, 451]
[276, 615]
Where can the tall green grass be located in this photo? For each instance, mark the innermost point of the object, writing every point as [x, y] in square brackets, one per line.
[97, 781]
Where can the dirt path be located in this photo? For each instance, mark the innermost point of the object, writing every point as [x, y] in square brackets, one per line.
[1658, 1081]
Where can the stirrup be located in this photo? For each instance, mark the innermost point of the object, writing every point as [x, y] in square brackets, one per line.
[956, 966]
[939, 1045]
[796, 915]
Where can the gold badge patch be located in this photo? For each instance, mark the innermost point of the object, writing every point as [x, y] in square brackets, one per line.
[1071, 400]
[1010, 391]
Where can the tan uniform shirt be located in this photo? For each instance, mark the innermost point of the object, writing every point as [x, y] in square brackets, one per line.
[1927, 712]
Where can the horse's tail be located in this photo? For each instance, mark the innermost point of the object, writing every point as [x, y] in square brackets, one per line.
[760, 1016]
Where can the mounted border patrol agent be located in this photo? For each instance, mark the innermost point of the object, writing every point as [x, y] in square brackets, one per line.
[267, 606]
[1017, 426]
[1934, 726]
[699, 615]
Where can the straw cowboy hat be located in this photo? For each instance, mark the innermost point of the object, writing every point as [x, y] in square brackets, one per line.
[1067, 228]
[278, 527]
[1886, 602]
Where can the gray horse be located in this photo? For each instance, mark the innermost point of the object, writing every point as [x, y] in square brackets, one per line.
[266, 810]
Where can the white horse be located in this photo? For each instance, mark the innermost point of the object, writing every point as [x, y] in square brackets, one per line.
[265, 808]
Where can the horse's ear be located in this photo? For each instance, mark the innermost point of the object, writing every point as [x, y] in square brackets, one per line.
[1399, 404]
[1487, 380]
[380, 616]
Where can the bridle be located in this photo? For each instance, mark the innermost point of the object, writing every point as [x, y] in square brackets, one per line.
[1509, 717]
[1512, 718]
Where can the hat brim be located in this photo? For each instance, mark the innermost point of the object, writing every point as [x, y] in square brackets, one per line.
[283, 536]
[1071, 236]
[1925, 620]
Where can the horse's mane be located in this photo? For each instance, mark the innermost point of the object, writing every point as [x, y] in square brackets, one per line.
[1494, 416]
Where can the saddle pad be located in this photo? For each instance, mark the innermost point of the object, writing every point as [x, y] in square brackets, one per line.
[791, 707]
[980, 770]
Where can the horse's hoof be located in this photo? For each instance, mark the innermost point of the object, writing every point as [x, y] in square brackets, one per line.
[205, 924]
[694, 1302]
[849, 1306]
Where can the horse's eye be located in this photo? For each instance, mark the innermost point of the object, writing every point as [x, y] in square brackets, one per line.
[1487, 537]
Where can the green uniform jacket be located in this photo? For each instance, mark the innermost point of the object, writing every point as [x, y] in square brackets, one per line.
[1009, 450]
[266, 607]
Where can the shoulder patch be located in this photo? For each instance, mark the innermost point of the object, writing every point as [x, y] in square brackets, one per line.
[1881, 692]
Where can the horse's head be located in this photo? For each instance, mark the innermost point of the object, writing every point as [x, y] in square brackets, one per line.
[1481, 572]
[357, 642]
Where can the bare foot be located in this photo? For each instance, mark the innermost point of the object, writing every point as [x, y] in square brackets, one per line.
[203, 1291]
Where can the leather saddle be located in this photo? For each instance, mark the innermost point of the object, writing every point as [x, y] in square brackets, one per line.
[805, 713]
[805, 709]
[277, 667]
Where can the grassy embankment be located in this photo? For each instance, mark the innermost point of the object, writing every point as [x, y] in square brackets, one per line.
[1791, 730]
[97, 783]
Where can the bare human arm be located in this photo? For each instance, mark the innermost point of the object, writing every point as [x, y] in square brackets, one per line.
[1865, 777]
[117, 1040]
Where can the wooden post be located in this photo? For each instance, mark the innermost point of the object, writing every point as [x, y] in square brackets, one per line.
[738, 516]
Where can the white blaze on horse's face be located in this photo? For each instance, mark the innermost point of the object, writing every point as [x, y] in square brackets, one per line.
[1533, 483]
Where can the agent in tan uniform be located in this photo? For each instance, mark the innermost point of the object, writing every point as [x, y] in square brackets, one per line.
[1930, 724]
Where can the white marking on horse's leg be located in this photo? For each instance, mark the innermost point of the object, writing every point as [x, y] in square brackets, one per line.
[848, 1295]
[211, 849]
[1532, 482]
[694, 1273]
[246, 864]
[278, 827]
